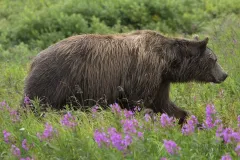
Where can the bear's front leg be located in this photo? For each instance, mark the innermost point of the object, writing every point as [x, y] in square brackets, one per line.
[174, 111]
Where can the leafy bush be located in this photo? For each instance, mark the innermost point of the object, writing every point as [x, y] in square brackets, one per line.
[40, 24]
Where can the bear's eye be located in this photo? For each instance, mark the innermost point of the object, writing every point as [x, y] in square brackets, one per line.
[214, 60]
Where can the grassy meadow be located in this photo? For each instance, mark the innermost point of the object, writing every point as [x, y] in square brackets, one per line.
[27, 27]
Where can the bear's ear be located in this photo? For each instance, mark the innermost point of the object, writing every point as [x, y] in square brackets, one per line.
[196, 37]
[203, 44]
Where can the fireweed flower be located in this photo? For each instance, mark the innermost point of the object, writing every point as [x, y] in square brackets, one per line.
[227, 135]
[68, 120]
[147, 117]
[94, 110]
[171, 147]
[118, 141]
[210, 110]
[127, 140]
[6, 136]
[194, 119]
[129, 125]
[237, 149]
[137, 109]
[113, 138]
[47, 133]
[101, 137]
[188, 128]
[14, 116]
[217, 122]
[140, 135]
[128, 114]
[15, 151]
[3, 103]
[166, 121]
[115, 108]
[211, 120]
[27, 100]
[226, 157]
[209, 123]
[25, 145]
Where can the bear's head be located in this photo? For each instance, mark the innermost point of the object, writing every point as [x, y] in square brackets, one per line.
[193, 61]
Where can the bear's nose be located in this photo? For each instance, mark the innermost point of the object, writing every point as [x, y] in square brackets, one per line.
[225, 75]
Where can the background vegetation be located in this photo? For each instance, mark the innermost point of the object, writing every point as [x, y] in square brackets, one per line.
[28, 26]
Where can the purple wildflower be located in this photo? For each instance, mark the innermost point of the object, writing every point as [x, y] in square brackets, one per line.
[137, 109]
[115, 108]
[3, 103]
[128, 114]
[47, 133]
[16, 151]
[94, 110]
[140, 135]
[210, 110]
[194, 119]
[6, 136]
[14, 116]
[127, 140]
[188, 128]
[25, 145]
[217, 122]
[236, 136]
[226, 157]
[227, 135]
[116, 139]
[130, 125]
[27, 100]
[68, 120]
[171, 147]
[101, 137]
[147, 117]
[166, 121]
[211, 121]
[237, 149]
[163, 158]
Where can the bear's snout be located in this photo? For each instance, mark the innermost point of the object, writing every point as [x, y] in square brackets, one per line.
[222, 78]
[225, 75]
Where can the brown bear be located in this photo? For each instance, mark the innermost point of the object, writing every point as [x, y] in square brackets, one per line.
[120, 68]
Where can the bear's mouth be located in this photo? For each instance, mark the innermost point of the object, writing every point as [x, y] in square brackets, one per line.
[222, 79]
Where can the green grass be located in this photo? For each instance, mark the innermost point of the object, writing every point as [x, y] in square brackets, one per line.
[23, 35]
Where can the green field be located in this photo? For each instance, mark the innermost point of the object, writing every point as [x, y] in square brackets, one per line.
[27, 27]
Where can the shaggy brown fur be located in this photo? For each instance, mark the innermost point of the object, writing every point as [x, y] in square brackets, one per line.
[133, 66]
